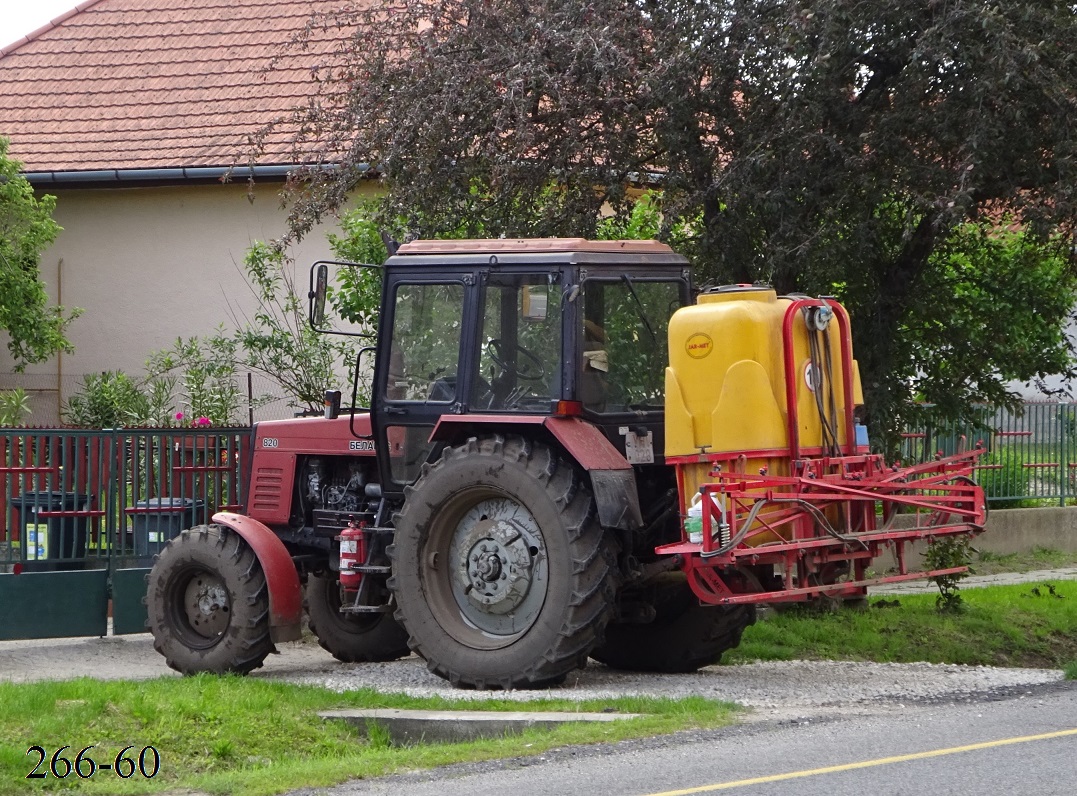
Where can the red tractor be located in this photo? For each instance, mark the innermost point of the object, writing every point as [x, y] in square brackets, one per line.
[567, 455]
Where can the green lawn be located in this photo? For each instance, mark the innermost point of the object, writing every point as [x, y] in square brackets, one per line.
[1032, 625]
[987, 563]
[251, 736]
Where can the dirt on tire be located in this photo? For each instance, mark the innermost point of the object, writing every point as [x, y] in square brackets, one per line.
[355, 638]
[683, 637]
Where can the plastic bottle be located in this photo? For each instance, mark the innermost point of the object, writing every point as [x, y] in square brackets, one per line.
[693, 520]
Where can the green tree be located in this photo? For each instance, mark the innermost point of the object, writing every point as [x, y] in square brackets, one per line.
[816, 144]
[35, 330]
[357, 299]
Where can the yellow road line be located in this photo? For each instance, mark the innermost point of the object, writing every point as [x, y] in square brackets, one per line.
[882, 761]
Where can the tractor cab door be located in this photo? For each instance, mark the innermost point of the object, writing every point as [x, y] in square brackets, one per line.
[489, 341]
[520, 351]
[421, 356]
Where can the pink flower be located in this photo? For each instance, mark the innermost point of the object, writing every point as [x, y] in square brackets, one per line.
[202, 421]
[179, 415]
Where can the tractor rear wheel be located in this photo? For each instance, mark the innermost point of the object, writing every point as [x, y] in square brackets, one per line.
[351, 638]
[208, 603]
[501, 573]
[684, 636]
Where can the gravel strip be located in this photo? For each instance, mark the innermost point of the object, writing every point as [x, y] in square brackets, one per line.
[975, 581]
[772, 685]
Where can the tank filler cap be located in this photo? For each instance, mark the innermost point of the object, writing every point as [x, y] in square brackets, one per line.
[820, 317]
[726, 293]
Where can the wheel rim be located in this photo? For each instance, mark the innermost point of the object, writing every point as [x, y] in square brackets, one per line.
[486, 565]
[202, 608]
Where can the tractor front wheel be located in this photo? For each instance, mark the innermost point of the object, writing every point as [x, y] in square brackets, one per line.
[351, 638]
[208, 603]
[501, 573]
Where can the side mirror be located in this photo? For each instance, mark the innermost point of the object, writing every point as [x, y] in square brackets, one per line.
[337, 319]
[319, 278]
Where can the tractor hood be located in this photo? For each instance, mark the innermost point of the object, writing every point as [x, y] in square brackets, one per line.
[343, 435]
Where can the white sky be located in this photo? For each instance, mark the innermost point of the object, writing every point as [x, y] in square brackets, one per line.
[19, 17]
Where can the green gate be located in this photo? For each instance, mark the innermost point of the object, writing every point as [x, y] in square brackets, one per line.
[84, 512]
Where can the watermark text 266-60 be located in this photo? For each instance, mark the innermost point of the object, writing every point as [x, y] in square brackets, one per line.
[128, 762]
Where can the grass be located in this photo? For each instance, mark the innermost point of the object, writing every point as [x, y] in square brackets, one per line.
[251, 736]
[1030, 624]
[988, 563]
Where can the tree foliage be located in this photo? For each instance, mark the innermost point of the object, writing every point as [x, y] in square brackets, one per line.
[35, 330]
[816, 144]
[277, 339]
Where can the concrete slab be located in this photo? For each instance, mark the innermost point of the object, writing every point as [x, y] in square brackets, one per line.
[426, 726]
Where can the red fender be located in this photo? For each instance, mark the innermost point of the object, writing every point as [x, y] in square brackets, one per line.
[282, 580]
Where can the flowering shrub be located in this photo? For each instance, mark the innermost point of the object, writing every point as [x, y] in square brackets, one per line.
[200, 375]
[200, 422]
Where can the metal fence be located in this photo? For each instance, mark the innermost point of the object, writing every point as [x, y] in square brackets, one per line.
[1032, 452]
[88, 499]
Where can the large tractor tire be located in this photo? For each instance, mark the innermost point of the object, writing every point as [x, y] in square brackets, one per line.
[684, 636]
[501, 573]
[351, 638]
[208, 603]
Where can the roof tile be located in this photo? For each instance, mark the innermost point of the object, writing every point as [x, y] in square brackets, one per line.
[125, 84]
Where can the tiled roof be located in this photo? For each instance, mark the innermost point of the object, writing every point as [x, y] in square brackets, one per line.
[139, 84]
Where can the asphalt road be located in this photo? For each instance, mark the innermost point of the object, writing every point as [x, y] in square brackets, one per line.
[1025, 743]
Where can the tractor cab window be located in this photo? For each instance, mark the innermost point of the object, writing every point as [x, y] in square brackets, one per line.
[423, 366]
[426, 343]
[624, 343]
[520, 347]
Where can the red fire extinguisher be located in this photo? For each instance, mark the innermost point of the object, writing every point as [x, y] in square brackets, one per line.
[352, 554]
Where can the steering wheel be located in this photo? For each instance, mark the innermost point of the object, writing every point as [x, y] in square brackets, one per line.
[528, 367]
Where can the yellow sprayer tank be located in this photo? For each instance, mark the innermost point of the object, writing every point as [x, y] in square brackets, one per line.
[749, 383]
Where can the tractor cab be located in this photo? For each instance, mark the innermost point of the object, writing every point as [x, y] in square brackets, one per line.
[500, 330]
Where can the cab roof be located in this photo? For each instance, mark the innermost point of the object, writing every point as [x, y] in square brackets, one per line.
[533, 246]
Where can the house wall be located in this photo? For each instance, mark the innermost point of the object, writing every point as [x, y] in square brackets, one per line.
[148, 265]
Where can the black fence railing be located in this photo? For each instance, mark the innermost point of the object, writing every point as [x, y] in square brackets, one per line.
[86, 499]
[1031, 454]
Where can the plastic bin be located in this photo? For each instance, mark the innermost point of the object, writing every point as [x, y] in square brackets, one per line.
[52, 538]
[167, 516]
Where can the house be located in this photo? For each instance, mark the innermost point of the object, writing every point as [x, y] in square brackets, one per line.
[131, 112]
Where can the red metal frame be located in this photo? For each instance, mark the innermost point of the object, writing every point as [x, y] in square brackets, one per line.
[782, 521]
